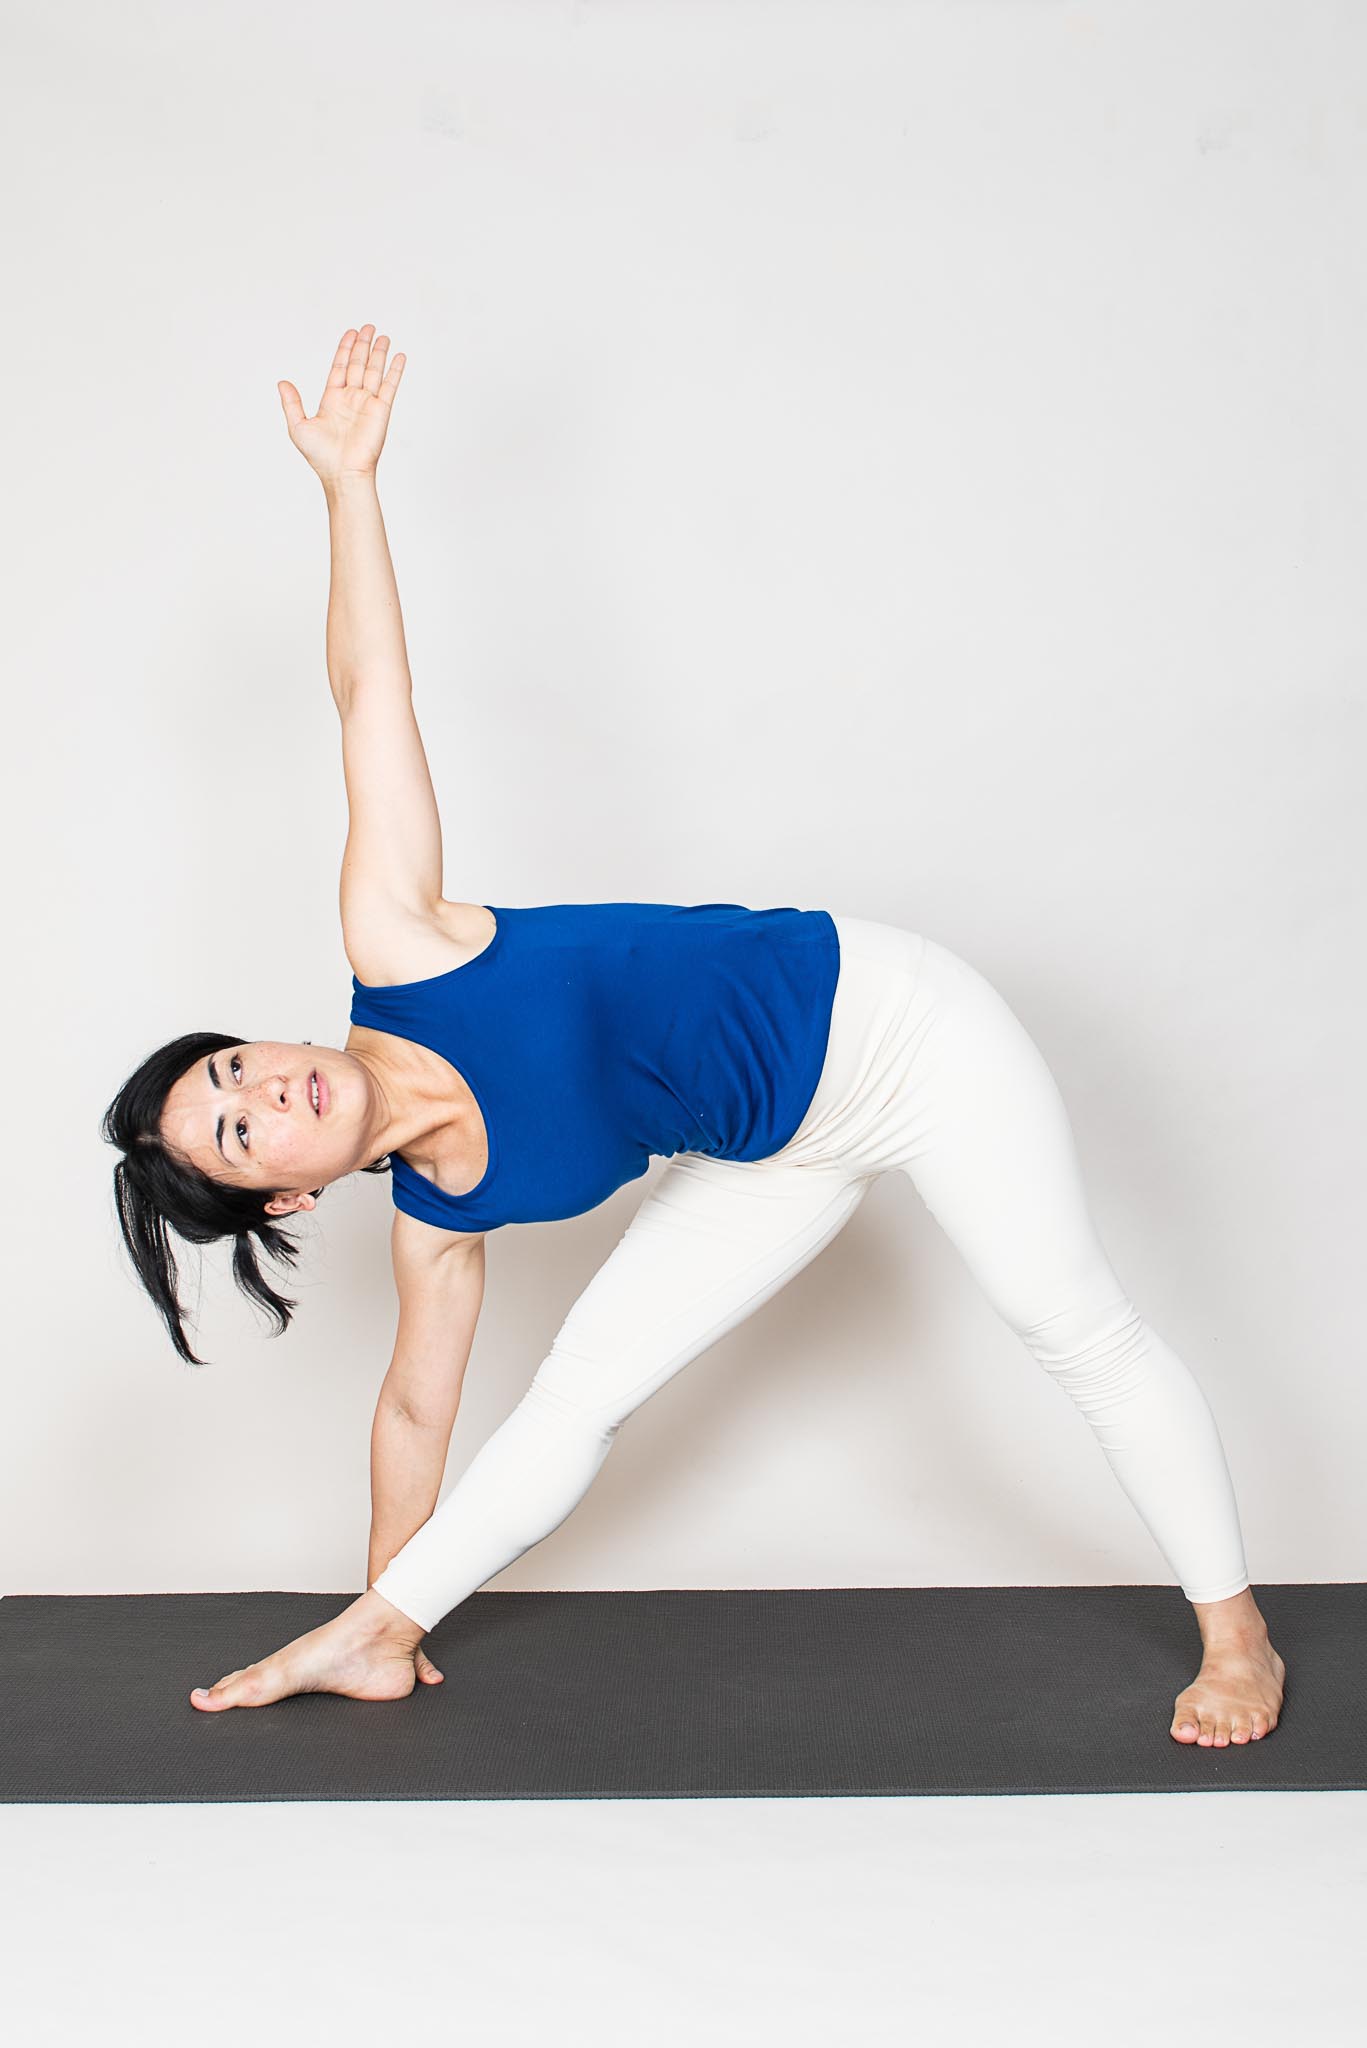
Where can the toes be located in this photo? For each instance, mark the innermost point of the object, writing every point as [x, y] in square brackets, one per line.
[213, 1695]
[232, 1691]
[427, 1670]
[1215, 1727]
[1215, 1730]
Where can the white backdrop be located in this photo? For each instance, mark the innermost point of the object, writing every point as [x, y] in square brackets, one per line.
[905, 460]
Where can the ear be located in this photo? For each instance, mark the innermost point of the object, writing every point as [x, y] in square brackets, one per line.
[289, 1205]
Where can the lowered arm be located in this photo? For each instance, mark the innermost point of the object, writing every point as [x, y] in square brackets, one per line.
[440, 1280]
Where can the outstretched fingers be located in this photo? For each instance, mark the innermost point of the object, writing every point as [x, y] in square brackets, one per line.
[360, 353]
[337, 375]
[377, 383]
[360, 363]
[372, 368]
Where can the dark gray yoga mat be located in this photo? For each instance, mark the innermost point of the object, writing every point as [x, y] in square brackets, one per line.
[680, 1694]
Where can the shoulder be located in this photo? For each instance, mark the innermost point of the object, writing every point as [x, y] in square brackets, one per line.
[394, 942]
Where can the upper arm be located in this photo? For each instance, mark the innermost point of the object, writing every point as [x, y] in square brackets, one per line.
[393, 856]
[440, 1279]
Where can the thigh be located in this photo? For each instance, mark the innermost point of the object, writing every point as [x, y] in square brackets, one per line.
[713, 1240]
[994, 1157]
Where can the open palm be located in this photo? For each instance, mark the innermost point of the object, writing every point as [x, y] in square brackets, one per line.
[347, 432]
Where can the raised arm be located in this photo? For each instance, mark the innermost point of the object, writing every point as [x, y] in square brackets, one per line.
[392, 864]
[342, 444]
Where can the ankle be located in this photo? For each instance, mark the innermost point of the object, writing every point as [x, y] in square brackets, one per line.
[1230, 1623]
[383, 1618]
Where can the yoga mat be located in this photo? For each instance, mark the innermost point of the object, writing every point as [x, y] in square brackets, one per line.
[692, 1693]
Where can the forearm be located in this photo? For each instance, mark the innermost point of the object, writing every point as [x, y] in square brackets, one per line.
[407, 1460]
[519, 1486]
[365, 637]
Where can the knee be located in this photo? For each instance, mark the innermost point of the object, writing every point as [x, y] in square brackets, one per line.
[579, 1391]
[1097, 1352]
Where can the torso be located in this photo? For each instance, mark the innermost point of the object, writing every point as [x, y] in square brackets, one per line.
[414, 949]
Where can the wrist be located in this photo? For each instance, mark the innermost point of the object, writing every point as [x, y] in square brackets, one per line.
[348, 483]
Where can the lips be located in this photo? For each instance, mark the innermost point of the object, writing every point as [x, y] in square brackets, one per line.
[322, 1093]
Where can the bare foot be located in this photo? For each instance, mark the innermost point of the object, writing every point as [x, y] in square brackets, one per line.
[367, 1652]
[1236, 1696]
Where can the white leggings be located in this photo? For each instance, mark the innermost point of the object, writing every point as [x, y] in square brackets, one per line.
[927, 1071]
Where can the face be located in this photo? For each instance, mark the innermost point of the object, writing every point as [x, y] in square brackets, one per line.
[245, 1116]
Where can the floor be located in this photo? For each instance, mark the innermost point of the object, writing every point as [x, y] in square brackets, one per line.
[1127, 1919]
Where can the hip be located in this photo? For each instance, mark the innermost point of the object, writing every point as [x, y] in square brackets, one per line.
[897, 991]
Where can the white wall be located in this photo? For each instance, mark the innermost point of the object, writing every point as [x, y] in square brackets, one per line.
[902, 459]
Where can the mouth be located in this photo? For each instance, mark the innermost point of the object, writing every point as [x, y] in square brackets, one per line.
[318, 1092]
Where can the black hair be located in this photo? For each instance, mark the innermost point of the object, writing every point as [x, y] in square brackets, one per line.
[154, 1187]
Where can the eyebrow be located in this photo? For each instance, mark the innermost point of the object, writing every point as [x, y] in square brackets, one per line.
[218, 1127]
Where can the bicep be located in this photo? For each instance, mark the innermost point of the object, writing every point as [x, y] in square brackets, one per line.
[393, 855]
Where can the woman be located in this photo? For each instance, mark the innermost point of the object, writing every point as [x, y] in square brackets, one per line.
[522, 1064]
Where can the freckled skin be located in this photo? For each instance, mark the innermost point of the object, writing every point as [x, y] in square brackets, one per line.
[381, 1100]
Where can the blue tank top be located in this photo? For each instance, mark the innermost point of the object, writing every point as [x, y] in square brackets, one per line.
[594, 1035]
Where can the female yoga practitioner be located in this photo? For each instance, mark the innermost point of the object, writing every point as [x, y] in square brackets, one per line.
[519, 1065]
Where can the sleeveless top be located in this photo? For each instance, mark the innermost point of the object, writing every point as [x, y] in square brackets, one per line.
[594, 1035]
